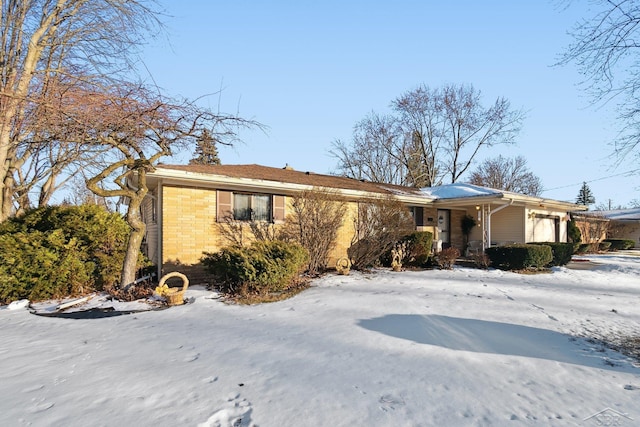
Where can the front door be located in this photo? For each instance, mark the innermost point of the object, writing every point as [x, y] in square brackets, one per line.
[444, 227]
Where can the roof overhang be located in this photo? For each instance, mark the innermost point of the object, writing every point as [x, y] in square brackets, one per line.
[514, 199]
[195, 179]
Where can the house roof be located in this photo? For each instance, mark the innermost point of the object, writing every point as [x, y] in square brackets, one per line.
[287, 179]
[290, 176]
[618, 214]
[460, 190]
[463, 193]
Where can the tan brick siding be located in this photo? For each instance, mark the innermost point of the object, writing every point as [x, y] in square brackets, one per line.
[345, 235]
[188, 226]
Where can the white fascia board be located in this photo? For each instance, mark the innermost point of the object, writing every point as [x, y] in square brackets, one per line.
[520, 200]
[177, 177]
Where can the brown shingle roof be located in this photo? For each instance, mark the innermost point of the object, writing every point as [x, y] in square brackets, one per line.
[293, 177]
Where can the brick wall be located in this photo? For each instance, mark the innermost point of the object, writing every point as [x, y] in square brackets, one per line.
[188, 226]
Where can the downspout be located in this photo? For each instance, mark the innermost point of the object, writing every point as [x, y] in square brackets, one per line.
[159, 233]
[491, 212]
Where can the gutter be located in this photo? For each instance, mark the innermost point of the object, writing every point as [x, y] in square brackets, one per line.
[169, 176]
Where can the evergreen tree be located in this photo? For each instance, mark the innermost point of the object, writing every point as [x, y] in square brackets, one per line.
[206, 152]
[585, 197]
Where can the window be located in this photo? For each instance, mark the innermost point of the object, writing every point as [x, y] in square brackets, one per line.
[154, 208]
[251, 207]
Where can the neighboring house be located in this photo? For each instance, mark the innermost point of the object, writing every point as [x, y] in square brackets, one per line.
[186, 202]
[621, 223]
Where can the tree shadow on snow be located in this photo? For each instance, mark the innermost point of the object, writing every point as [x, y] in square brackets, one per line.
[481, 336]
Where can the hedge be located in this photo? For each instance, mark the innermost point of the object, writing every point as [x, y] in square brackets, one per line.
[263, 267]
[520, 257]
[620, 244]
[561, 252]
[61, 251]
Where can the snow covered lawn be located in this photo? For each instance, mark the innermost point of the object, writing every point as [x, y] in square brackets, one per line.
[428, 348]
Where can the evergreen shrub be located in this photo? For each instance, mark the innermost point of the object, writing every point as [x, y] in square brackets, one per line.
[520, 257]
[620, 244]
[60, 251]
[561, 252]
[263, 267]
[604, 246]
[583, 248]
[419, 248]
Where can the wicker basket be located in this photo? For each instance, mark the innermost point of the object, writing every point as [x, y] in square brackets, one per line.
[175, 296]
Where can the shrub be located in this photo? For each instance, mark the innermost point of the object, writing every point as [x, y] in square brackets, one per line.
[446, 258]
[379, 225]
[60, 251]
[520, 257]
[561, 252]
[604, 246]
[467, 223]
[620, 244]
[316, 218]
[575, 236]
[263, 267]
[481, 260]
[419, 248]
[583, 248]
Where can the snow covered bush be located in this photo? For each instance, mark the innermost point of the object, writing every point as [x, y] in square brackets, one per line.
[520, 257]
[263, 267]
[61, 251]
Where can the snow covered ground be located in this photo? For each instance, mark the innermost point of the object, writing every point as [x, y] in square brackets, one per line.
[429, 348]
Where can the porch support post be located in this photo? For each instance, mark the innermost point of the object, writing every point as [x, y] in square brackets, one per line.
[491, 212]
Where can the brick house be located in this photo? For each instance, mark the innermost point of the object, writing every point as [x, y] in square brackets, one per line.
[186, 201]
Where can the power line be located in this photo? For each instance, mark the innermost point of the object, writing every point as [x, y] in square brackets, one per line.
[592, 180]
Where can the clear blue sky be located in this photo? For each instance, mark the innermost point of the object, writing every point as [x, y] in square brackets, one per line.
[310, 70]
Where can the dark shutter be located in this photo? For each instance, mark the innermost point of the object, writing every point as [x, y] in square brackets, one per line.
[278, 209]
[418, 216]
[224, 202]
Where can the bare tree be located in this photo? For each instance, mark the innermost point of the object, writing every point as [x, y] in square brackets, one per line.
[470, 126]
[423, 128]
[240, 233]
[316, 218]
[373, 152]
[41, 40]
[379, 225]
[606, 51]
[509, 174]
[434, 136]
[47, 154]
[133, 127]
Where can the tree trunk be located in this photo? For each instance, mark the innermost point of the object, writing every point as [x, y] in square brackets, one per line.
[138, 228]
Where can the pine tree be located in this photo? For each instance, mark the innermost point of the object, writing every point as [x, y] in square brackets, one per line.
[206, 152]
[585, 197]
